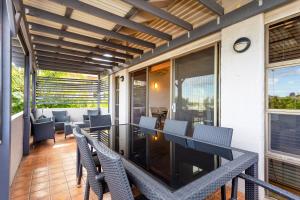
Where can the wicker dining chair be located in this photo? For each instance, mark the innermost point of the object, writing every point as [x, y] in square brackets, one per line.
[219, 136]
[100, 120]
[175, 127]
[216, 135]
[95, 179]
[115, 174]
[148, 122]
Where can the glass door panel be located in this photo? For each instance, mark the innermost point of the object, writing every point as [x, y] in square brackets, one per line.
[138, 95]
[194, 88]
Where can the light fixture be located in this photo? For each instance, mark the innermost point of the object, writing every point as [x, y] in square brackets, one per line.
[155, 85]
[107, 55]
[242, 44]
[100, 59]
[122, 78]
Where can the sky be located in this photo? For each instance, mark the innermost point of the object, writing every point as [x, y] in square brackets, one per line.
[283, 81]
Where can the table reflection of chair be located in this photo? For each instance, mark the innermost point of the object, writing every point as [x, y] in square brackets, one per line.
[161, 113]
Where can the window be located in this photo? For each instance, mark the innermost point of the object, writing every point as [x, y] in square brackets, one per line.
[284, 88]
[283, 105]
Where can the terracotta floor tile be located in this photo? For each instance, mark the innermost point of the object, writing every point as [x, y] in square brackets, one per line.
[41, 194]
[59, 188]
[21, 185]
[40, 180]
[24, 197]
[61, 196]
[57, 176]
[19, 192]
[58, 181]
[40, 186]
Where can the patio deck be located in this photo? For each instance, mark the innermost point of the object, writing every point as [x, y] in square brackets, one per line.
[49, 173]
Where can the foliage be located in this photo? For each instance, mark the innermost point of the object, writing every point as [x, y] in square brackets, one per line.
[17, 89]
[289, 102]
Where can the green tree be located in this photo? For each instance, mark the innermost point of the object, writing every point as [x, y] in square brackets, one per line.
[17, 89]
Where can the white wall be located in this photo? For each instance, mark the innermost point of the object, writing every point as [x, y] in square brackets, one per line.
[75, 113]
[242, 87]
[160, 96]
[16, 143]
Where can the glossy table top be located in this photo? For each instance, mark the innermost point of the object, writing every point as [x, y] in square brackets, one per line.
[175, 161]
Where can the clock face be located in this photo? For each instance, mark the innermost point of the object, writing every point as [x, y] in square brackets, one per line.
[241, 44]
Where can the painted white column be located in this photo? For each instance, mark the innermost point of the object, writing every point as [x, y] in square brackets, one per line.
[112, 92]
[124, 105]
[242, 87]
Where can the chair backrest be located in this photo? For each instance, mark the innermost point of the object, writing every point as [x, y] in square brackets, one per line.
[59, 113]
[176, 127]
[92, 112]
[100, 120]
[212, 134]
[88, 163]
[114, 172]
[148, 122]
[59, 116]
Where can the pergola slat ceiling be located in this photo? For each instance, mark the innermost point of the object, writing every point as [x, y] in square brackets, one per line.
[85, 31]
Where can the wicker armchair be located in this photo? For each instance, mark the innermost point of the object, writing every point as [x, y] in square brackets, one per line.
[86, 118]
[42, 129]
[59, 118]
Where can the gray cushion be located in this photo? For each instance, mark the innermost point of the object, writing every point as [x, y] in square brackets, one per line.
[59, 116]
[92, 112]
[59, 113]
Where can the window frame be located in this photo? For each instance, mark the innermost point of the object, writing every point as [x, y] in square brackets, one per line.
[269, 153]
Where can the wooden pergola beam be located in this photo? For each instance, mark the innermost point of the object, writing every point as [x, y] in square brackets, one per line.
[42, 39]
[73, 58]
[81, 25]
[49, 48]
[143, 5]
[68, 66]
[97, 12]
[213, 6]
[74, 63]
[60, 33]
[64, 69]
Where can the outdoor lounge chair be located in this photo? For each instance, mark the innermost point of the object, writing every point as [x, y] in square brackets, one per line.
[42, 129]
[86, 118]
[59, 118]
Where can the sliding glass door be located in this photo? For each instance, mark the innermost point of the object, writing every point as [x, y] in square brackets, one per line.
[138, 95]
[195, 88]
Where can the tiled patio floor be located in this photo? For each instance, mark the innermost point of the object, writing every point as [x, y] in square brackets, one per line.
[49, 173]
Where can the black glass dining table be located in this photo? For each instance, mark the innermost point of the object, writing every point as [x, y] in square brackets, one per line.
[168, 166]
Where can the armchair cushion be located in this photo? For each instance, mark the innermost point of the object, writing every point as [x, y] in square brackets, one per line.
[90, 113]
[60, 116]
[43, 120]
